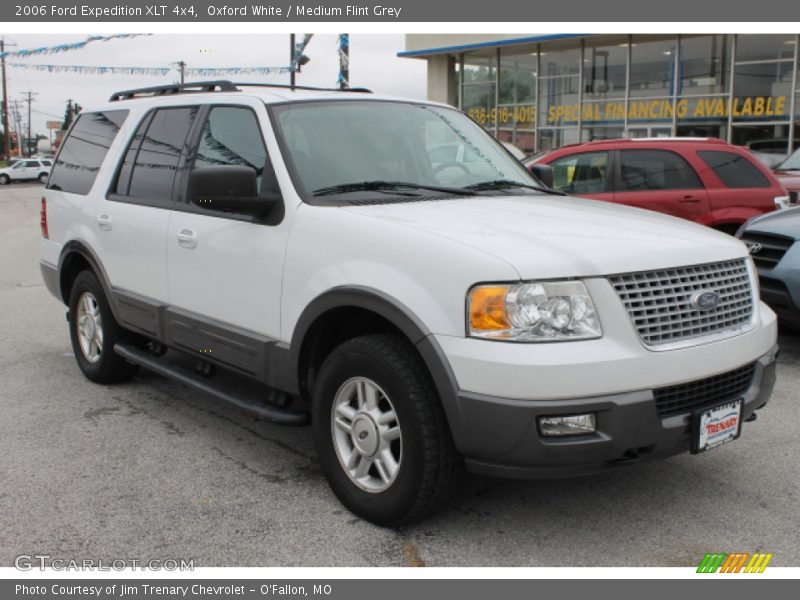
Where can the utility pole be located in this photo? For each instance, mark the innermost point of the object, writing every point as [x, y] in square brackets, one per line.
[29, 100]
[292, 51]
[17, 124]
[6, 130]
[182, 68]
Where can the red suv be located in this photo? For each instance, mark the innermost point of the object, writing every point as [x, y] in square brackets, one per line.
[704, 180]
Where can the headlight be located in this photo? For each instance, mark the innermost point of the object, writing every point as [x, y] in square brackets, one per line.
[533, 312]
[782, 202]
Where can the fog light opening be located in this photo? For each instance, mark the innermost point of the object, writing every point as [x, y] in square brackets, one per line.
[561, 425]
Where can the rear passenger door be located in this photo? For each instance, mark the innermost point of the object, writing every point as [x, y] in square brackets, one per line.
[134, 218]
[587, 175]
[743, 190]
[662, 181]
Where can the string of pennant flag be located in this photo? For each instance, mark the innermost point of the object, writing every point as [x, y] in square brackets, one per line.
[197, 71]
[58, 48]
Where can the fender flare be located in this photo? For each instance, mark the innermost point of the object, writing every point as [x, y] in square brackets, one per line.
[77, 247]
[398, 315]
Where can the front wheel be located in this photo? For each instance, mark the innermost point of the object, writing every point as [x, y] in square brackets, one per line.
[380, 431]
[5, 179]
[94, 331]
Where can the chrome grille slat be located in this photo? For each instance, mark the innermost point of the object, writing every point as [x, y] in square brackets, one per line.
[658, 302]
[773, 247]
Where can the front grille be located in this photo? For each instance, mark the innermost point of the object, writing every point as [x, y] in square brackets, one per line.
[660, 302]
[766, 249]
[682, 398]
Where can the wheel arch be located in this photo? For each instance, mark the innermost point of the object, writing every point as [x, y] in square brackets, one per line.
[76, 257]
[336, 308]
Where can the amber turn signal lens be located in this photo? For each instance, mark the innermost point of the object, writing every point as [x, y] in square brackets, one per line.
[487, 308]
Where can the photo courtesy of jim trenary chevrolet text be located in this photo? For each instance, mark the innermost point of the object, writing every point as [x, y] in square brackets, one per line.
[347, 299]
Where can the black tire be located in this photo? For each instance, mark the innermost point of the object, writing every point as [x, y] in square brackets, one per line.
[5, 179]
[430, 465]
[109, 367]
[43, 177]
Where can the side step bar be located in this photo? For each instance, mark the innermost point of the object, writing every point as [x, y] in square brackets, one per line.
[281, 416]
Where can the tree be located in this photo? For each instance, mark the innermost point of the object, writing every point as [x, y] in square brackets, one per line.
[73, 108]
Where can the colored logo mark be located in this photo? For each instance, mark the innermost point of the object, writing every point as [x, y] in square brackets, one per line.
[735, 562]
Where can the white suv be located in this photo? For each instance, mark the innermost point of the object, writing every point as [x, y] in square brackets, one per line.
[27, 169]
[422, 314]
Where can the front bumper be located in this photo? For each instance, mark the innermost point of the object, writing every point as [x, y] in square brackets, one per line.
[504, 440]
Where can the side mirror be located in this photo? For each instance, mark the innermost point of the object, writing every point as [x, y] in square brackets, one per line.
[543, 173]
[229, 188]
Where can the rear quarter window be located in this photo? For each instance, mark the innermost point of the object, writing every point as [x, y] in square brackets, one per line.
[734, 170]
[83, 151]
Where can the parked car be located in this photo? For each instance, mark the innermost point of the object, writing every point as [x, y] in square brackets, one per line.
[704, 180]
[788, 174]
[771, 152]
[26, 170]
[774, 244]
[305, 240]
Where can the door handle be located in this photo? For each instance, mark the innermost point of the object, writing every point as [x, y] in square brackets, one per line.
[690, 199]
[104, 221]
[187, 238]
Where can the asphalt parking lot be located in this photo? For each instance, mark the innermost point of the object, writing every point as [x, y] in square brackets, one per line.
[149, 469]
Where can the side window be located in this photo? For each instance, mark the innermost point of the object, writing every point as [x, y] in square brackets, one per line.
[126, 167]
[581, 173]
[734, 170]
[655, 170]
[83, 151]
[232, 136]
[156, 159]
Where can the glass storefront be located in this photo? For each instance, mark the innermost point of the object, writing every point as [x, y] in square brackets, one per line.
[539, 96]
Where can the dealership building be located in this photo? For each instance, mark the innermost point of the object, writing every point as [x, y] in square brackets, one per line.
[545, 91]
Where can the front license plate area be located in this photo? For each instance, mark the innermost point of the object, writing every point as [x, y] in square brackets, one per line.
[716, 425]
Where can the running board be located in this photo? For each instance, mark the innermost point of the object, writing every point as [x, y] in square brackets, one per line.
[281, 416]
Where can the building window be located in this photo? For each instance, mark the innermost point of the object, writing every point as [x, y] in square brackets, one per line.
[705, 65]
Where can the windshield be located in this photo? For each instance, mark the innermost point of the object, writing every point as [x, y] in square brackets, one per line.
[351, 148]
[792, 163]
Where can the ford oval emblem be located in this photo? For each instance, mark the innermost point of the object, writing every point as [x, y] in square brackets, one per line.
[705, 300]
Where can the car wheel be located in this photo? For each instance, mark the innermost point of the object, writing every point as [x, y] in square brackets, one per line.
[94, 331]
[43, 178]
[5, 180]
[380, 431]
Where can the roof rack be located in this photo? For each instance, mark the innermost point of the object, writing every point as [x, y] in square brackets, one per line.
[176, 88]
[286, 86]
[221, 85]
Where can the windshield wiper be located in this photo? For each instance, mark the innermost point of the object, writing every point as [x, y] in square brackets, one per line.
[501, 184]
[380, 185]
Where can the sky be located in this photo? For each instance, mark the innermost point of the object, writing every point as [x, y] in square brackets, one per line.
[373, 64]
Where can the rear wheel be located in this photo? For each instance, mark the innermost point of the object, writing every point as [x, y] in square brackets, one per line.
[43, 178]
[94, 331]
[381, 434]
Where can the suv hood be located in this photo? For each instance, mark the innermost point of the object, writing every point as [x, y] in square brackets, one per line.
[552, 237]
[780, 222]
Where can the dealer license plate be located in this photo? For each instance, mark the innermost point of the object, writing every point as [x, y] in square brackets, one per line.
[715, 426]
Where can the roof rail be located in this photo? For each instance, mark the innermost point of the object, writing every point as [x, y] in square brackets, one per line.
[177, 88]
[220, 85]
[286, 86]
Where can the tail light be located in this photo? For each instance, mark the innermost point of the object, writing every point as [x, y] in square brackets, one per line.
[43, 219]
